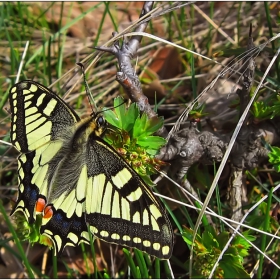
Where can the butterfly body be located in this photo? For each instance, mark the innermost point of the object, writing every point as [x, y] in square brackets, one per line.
[71, 177]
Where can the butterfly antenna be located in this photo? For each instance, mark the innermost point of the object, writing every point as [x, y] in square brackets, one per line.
[87, 87]
[89, 93]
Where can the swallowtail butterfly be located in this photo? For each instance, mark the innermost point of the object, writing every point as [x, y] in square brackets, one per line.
[71, 177]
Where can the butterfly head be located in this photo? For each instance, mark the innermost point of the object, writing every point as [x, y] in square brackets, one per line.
[100, 123]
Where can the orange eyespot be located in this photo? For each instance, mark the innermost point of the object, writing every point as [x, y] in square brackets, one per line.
[48, 212]
[40, 205]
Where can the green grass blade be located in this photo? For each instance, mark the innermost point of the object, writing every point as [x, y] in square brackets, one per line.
[54, 263]
[133, 268]
[157, 268]
[142, 264]
[264, 237]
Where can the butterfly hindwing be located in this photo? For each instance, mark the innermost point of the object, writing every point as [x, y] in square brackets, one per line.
[75, 180]
[121, 208]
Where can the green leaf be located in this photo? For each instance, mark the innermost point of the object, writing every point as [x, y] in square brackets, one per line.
[274, 158]
[153, 125]
[232, 269]
[187, 236]
[122, 117]
[147, 180]
[144, 126]
[152, 152]
[131, 115]
[152, 142]
[138, 126]
[222, 239]
[112, 118]
[120, 110]
[242, 245]
[209, 241]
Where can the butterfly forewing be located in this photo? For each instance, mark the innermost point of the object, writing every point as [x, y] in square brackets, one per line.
[75, 180]
[38, 116]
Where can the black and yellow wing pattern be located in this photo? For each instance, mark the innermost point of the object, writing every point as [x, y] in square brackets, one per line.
[75, 180]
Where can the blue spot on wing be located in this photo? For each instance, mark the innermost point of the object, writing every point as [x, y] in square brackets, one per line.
[60, 225]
